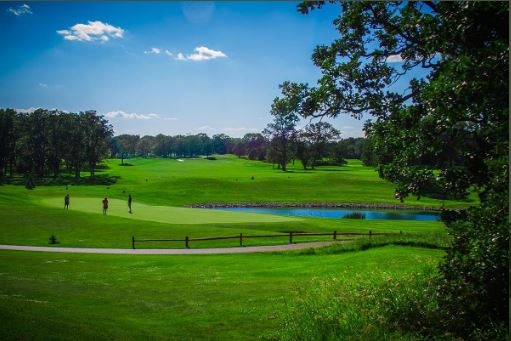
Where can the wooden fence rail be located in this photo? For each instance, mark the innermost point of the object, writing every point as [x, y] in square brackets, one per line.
[290, 235]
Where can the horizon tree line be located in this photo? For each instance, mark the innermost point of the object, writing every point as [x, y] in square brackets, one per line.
[47, 143]
[315, 145]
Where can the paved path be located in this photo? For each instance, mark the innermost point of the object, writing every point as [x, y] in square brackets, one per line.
[248, 249]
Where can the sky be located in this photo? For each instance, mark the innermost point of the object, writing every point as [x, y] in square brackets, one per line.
[162, 67]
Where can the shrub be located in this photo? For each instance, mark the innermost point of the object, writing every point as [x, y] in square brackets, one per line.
[53, 239]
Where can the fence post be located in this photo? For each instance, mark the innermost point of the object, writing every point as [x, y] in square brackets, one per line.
[241, 239]
[370, 233]
[335, 235]
[290, 237]
[186, 242]
[133, 242]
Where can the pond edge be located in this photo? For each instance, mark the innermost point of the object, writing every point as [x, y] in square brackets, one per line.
[315, 205]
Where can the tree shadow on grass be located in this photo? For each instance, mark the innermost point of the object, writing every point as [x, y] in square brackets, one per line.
[101, 179]
[333, 170]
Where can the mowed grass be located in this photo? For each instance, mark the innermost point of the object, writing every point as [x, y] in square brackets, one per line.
[27, 222]
[167, 182]
[160, 188]
[165, 214]
[218, 297]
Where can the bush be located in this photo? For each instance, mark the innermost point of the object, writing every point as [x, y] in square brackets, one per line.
[53, 240]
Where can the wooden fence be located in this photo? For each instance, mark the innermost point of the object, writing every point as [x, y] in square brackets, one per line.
[240, 237]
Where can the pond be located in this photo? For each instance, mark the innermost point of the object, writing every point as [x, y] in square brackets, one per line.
[336, 213]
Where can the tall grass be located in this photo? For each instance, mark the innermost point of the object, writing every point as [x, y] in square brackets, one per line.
[426, 240]
[363, 308]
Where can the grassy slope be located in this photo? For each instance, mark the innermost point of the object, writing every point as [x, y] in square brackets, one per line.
[172, 183]
[228, 179]
[71, 296]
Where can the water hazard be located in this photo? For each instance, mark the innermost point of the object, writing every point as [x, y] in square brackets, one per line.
[337, 213]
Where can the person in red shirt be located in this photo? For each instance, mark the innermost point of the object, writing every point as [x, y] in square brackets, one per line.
[105, 205]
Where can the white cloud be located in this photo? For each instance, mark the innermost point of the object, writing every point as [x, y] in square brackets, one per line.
[170, 119]
[180, 56]
[157, 50]
[93, 31]
[395, 58]
[43, 85]
[20, 10]
[131, 116]
[204, 53]
[153, 50]
[201, 53]
[27, 110]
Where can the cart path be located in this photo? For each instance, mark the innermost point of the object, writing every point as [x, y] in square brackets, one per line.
[225, 250]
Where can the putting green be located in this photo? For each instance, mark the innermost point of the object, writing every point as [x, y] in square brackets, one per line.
[164, 214]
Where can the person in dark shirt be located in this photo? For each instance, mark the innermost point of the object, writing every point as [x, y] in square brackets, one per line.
[129, 202]
[105, 205]
[66, 202]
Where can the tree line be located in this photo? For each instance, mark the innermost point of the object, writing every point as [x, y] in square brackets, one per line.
[48, 142]
[316, 144]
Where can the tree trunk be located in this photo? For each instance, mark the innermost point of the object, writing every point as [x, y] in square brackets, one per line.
[77, 172]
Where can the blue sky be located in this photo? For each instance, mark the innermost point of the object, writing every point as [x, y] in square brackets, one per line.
[161, 67]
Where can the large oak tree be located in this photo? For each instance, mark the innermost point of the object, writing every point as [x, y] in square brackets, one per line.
[447, 131]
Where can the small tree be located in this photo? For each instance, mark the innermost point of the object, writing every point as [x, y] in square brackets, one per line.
[319, 136]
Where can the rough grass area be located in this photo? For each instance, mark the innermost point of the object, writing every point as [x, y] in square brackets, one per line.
[358, 307]
[217, 297]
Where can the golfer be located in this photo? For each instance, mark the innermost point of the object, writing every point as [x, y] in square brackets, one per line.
[129, 202]
[66, 202]
[105, 205]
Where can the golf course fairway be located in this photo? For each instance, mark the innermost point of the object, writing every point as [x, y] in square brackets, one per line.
[165, 214]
